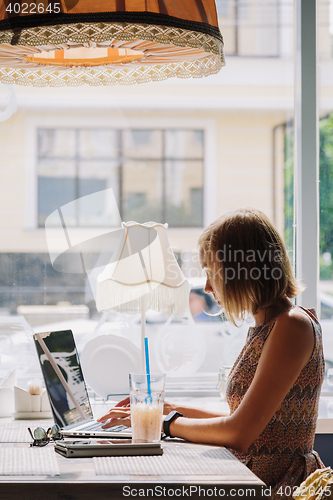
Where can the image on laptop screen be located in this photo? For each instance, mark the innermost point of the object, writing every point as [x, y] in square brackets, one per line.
[63, 377]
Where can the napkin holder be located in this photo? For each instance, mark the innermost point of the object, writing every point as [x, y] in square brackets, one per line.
[31, 406]
[7, 394]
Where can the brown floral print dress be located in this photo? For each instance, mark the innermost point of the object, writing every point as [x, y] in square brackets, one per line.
[283, 454]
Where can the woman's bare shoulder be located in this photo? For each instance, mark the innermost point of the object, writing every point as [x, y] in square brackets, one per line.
[295, 319]
[293, 333]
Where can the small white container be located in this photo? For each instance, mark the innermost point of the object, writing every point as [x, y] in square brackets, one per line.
[35, 402]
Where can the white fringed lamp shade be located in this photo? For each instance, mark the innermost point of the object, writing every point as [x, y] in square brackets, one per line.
[75, 42]
[144, 270]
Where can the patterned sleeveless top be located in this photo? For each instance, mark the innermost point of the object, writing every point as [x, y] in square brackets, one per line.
[282, 456]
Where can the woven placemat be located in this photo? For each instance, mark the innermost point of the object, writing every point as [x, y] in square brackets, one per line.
[32, 461]
[177, 460]
[17, 431]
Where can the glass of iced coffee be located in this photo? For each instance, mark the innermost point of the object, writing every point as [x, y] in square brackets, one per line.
[147, 400]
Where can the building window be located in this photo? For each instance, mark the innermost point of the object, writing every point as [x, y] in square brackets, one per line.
[255, 29]
[73, 163]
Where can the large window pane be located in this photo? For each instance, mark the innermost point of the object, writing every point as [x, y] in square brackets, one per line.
[325, 74]
[181, 152]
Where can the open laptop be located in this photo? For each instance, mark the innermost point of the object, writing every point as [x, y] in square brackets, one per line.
[66, 388]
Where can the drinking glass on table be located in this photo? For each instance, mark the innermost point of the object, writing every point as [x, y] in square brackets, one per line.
[222, 380]
[147, 401]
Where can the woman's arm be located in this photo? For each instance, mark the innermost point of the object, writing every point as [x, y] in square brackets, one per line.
[121, 412]
[286, 352]
[191, 412]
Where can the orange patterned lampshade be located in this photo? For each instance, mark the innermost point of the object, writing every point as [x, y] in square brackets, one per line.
[98, 42]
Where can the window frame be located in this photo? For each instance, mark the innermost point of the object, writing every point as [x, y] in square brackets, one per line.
[208, 125]
[306, 153]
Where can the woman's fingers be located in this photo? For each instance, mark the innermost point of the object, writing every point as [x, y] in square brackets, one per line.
[115, 413]
[118, 421]
[119, 415]
[124, 402]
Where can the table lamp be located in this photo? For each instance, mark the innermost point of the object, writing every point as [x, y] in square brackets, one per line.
[142, 275]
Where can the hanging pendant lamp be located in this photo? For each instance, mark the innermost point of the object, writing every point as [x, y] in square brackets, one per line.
[99, 42]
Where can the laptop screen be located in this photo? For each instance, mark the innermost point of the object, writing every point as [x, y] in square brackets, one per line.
[63, 377]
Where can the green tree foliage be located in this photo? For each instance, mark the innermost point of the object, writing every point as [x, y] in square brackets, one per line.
[325, 193]
[289, 187]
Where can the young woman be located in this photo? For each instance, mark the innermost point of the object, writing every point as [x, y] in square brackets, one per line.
[274, 386]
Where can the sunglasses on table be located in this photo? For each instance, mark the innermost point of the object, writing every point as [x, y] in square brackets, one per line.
[41, 437]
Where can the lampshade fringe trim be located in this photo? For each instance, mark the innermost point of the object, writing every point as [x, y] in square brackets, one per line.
[169, 300]
[123, 76]
[101, 32]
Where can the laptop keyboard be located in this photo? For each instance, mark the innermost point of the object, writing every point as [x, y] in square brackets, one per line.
[97, 426]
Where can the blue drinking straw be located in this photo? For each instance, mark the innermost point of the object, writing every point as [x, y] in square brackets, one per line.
[147, 368]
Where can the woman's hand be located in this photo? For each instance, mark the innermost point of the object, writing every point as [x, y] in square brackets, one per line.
[124, 402]
[168, 407]
[119, 415]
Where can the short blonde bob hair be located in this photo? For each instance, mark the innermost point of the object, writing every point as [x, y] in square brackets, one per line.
[248, 261]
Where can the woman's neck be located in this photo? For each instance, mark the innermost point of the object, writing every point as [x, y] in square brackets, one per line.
[266, 314]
